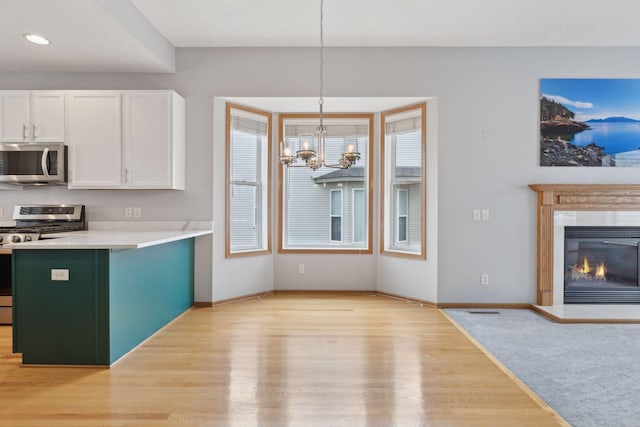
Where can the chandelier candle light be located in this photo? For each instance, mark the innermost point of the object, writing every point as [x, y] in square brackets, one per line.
[311, 146]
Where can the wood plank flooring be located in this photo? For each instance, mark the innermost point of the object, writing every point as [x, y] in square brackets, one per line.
[283, 360]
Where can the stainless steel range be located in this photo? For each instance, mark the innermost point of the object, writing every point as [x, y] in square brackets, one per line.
[33, 222]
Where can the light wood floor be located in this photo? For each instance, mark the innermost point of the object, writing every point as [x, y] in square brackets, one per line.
[286, 359]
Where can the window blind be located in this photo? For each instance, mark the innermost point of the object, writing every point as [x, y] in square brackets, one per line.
[410, 124]
[347, 130]
[249, 125]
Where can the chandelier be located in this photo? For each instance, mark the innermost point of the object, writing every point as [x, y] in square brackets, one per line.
[310, 148]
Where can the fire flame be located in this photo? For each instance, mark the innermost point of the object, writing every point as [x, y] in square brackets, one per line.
[585, 266]
[601, 271]
[588, 272]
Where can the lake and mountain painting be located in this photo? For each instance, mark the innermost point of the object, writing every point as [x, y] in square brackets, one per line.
[590, 122]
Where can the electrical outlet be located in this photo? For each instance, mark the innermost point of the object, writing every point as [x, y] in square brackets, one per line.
[300, 268]
[137, 212]
[60, 274]
[128, 212]
[484, 279]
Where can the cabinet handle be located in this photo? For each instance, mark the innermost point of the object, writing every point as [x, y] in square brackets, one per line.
[33, 134]
[24, 131]
[126, 176]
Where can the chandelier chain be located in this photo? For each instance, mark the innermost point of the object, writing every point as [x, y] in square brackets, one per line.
[321, 58]
[313, 153]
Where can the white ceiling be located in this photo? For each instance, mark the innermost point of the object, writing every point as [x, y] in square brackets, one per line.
[140, 35]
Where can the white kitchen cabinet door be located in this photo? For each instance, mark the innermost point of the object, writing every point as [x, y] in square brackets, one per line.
[153, 140]
[47, 116]
[94, 129]
[14, 116]
[30, 116]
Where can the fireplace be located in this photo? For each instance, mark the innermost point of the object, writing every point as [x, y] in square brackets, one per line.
[609, 200]
[601, 265]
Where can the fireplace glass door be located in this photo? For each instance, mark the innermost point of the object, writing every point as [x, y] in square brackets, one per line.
[601, 265]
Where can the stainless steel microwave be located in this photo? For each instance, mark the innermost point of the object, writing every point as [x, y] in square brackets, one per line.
[33, 163]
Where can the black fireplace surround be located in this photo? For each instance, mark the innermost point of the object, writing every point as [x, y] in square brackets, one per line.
[602, 265]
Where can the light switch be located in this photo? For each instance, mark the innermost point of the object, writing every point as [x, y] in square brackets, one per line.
[476, 215]
[485, 214]
[59, 274]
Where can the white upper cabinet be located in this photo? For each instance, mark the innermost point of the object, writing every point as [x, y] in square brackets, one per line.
[94, 130]
[32, 116]
[47, 116]
[14, 116]
[154, 140]
[126, 139]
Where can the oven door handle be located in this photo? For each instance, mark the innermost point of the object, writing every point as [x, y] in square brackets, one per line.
[620, 243]
[43, 162]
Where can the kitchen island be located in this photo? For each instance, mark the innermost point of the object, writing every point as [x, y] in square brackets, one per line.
[90, 297]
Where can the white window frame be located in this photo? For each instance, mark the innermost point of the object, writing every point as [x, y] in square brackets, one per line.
[257, 191]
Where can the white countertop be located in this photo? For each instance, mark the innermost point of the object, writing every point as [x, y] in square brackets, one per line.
[103, 239]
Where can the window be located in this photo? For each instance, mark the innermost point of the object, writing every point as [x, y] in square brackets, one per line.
[403, 182]
[248, 172]
[327, 210]
[358, 217]
[336, 215]
[402, 210]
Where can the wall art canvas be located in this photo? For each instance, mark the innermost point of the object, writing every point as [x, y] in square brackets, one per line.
[590, 122]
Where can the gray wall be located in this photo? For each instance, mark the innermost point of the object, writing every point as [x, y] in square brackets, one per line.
[487, 147]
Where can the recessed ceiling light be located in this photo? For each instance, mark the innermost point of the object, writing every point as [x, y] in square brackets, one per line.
[34, 38]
